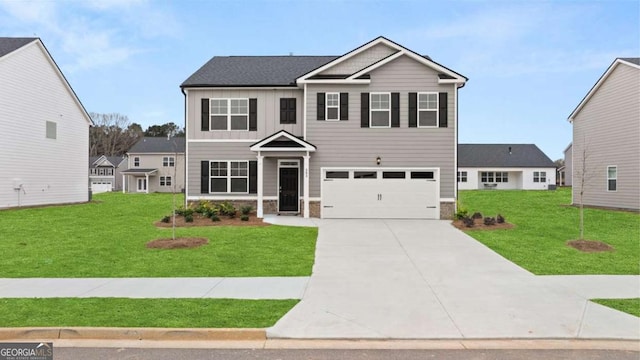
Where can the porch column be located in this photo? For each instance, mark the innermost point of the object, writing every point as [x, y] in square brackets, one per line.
[305, 170]
[260, 210]
[146, 176]
[123, 183]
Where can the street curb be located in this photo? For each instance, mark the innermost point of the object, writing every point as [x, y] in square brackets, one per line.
[99, 333]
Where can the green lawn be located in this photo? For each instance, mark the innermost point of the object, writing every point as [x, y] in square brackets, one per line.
[120, 312]
[630, 306]
[107, 238]
[543, 226]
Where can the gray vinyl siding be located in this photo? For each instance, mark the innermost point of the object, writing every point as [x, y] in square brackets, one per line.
[608, 129]
[154, 161]
[346, 144]
[51, 171]
[268, 112]
[360, 61]
[234, 151]
[568, 166]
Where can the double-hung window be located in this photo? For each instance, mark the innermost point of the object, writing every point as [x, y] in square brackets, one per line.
[462, 176]
[165, 180]
[539, 176]
[486, 176]
[502, 177]
[229, 114]
[136, 161]
[428, 110]
[333, 106]
[380, 108]
[612, 178]
[168, 161]
[229, 176]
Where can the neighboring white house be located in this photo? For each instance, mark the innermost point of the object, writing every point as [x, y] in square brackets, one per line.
[41, 122]
[504, 166]
[606, 132]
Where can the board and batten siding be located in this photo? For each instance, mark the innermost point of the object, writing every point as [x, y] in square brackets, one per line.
[50, 171]
[607, 128]
[346, 144]
[268, 112]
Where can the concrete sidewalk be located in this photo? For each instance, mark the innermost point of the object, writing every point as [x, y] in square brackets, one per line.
[397, 279]
[228, 288]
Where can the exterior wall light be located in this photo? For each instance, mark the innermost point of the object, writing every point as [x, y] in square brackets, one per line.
[378, 160]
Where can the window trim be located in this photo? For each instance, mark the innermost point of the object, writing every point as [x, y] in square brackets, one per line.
[490, 176]
[136, 161]
[538, 178]
[615, 179]
[229, 177]
[371, 110]
[228, 114]
[436, 110]
[463, 176]
[326, 106]
[168, 161]
[501, 177]
[164, 179]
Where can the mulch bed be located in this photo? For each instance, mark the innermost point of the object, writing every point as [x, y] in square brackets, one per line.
[589, 246]
[199, 220]
[479, 225]
[178, 243]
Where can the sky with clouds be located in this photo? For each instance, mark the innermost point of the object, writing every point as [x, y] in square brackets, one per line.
[529, 63]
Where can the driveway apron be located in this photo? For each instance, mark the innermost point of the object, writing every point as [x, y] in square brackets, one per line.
[413, 279]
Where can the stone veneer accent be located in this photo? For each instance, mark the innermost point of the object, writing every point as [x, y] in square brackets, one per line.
[447, 210]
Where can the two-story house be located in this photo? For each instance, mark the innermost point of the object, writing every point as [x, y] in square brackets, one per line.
[105, 173]
[41, 122]
[155, 164]
[606, 139]
[369, 134]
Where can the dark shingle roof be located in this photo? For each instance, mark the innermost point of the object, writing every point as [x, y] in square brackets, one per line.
[158, 145]
[254, 70]
[497, 155]
[632, 60]
[8, 44]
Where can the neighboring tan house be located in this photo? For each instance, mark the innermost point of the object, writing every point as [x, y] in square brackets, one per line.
[504, 166]
[155, 164]
[41, 122]
[565, 172]
[606, 139]
[105, 173]
[369, 134]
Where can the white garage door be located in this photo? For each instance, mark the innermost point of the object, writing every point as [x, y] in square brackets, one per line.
[381, 193]
[101, 186]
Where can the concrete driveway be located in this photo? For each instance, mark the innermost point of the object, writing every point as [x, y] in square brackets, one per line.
[416, 279]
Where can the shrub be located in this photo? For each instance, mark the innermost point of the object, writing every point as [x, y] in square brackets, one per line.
[214, 217]
[244, 217]
[461, 213]
[166, 219]
[489, 221]
[203, 207]
[226, 208]
[477, 215]
[245, 210]
[468, 222]
[188, 218]
[182, 211]
[500, 219]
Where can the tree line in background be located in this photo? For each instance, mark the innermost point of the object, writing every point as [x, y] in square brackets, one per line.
[113, 134]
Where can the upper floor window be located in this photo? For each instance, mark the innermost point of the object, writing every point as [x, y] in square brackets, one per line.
[462, 176]
[229, 114]
[380, 108]
[612, 178]
[229, 176]
[333, 106]
[287, 110]
[168, 161]
[427, 109]
[540, 176]
[136, 161]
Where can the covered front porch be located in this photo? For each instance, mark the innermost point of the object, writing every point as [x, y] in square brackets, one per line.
[141, 180]
[292, 155]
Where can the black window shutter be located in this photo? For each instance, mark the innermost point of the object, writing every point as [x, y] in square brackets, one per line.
[204, 177]
[292, 110]
[205, 115]
[321, 99]
[413, 110]
[395, 109]
[253, 177]
[442, 109]
[253, 114]
[364, 110]
[344, 106]
[287, 111]
[283, 111]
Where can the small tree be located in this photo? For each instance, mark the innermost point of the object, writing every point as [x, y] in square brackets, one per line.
[583, 176]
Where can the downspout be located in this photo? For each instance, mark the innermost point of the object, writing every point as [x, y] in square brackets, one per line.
[186, 149]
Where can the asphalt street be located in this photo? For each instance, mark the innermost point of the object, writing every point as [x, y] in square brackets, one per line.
[324, 354]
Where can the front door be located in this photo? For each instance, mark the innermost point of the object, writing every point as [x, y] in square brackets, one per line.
[142, 184]
[288, 198]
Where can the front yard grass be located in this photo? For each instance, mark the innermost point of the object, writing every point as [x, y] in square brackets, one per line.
[106, 238]
[543, 225]
[630, 306]
[124, 312]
